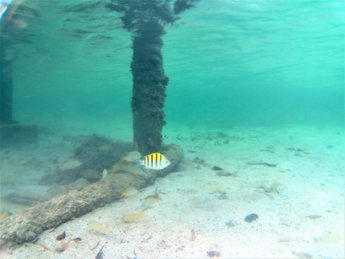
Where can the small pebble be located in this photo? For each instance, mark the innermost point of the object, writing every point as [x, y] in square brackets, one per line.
[251, 217]
[222, 173]
[222, 196]
[213, 253]
[229, 224]
[61, 236]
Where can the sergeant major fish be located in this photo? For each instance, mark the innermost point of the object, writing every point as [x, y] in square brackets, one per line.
[155, 161]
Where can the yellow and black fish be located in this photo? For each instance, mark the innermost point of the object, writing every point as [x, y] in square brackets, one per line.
[155, 161]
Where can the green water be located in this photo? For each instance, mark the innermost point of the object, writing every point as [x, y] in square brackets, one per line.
[230, 63]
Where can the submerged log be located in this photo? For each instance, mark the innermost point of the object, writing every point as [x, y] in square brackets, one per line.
[26, 226]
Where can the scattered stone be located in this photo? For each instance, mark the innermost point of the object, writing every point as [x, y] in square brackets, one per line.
[99, 228]
[98, 153]
[300, 150]
[149, 203]
[61, 236]
[303, 255]
[222, 173]
[133, 217]
[213, 253]
[91, 175]
[153, 196]
[61, 248]
[217, 168]
[64, 246]
[268, 150]
[69, 164]
[229, 224]
[80, 182]
[92, 156]
[271, 188]
[151, 200]
[314, 216]
[251, 217]
[261, 163]
[199, 161]
[222, 196]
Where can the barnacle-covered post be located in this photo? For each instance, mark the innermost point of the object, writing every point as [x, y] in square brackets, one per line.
[146, 19]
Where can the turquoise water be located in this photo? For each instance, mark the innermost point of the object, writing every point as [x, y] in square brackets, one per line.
[265, 63]
[255, 99]
[230, 63]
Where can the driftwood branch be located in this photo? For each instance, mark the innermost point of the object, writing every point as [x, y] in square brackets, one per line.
[26, 226]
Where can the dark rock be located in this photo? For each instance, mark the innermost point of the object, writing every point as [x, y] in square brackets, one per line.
[61, 236]
[251, 217]
[91, 157]
[98, 153]
[213, 253]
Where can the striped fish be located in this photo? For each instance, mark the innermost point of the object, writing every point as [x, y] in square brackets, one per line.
[155, 161]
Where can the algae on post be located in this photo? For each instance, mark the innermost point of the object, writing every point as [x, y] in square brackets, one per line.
[146, 20]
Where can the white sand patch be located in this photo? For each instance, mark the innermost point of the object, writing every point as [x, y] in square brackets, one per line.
[291, 178]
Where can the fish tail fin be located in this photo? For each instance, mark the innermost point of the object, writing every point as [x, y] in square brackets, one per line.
[139, 163]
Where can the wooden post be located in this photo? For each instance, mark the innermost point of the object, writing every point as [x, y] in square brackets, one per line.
[149, 87]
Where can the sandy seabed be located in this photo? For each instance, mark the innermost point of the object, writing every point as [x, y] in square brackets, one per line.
[290, 178]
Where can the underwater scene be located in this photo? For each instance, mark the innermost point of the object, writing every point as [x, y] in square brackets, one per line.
[143, 129]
